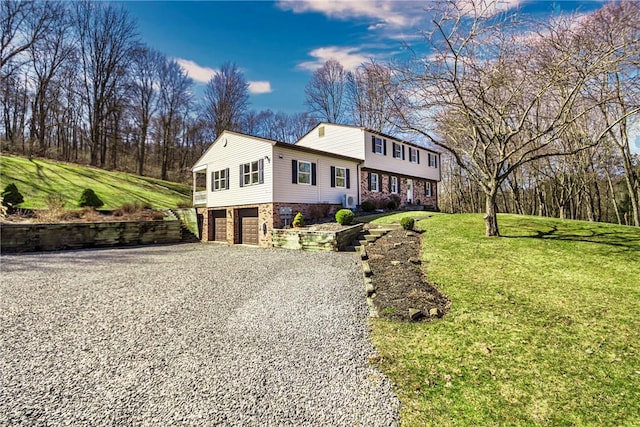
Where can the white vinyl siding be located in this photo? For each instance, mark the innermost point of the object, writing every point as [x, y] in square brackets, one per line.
[230, 151]
[338, 139]
[402, 165]
[285, 190]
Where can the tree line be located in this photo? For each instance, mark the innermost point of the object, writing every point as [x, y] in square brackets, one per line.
[532, 117]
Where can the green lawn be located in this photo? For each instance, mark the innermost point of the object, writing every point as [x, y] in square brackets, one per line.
[544, 327]
[36, 179]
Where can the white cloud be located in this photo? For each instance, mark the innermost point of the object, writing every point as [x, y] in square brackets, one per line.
[349, 57]
[486, 7]
[258, 87]
[197, 72]
[385, 12]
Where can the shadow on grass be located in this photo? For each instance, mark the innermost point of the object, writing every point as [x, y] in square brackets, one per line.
[625, 241]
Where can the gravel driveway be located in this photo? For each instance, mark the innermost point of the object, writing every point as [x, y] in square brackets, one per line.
[196, 334]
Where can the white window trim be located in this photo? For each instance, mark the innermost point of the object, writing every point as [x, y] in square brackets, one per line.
[377, 181]
[379, 143]
[399, 147]
[219, 183]
[251, 173]
[429, 191]
[413, 155]
[393, 180]
[300, 172]
[343, 177]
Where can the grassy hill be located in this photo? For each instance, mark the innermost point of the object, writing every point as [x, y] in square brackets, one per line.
[544, 327]
[36, 179]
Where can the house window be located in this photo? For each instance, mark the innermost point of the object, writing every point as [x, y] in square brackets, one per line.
[427, 189]
[252, 173]
[304, 173]
[374, 182]
[433, 160]
[321, 131]
[379, 145]
[393, 184]
[220, 180]
[398, 151]
[414, 155]
[341, 176]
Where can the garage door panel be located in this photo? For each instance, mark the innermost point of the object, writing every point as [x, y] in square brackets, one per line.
[220, 229]
[249, 229]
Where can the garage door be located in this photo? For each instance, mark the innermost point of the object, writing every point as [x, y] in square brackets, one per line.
[218, 225]
[248, 226]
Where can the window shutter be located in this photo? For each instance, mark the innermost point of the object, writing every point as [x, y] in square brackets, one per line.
[241, 175]
[213, 181]
[429, 159]
[384, 147]
[226, 174]
[369, 181]
[294, 171]
[436, 160]
[348, 178]
[313, 174]
[333, 176]
[418, 155]
[373, 143]
[261, 171]
[403, 152]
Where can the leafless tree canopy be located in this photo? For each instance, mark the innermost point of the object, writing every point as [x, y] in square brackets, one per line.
[226, 99]
[325, 92]
[497, 98]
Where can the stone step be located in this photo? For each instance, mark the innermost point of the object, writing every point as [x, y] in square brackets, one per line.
[378, 232]
[371, 238]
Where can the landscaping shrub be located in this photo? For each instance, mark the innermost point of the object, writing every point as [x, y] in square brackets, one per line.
[367, 206]
[298, 220]
[55, 202]
[131, 208]
[11, 197]
[90, 198]
[407, 223]
[391, 205]
[396, 199]
[344, 217]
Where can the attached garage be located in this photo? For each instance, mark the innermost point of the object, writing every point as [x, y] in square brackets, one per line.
[248, 226]
[218, 225]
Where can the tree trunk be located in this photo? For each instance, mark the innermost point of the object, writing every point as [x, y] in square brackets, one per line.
[491, 215]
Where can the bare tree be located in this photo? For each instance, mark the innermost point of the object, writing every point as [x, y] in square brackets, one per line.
[145, 71]
[22, 24]
[497, 100]
[226, 99]
[369, 104]
[107, 35]
[48, 55]
[325, 92]
[173, 105]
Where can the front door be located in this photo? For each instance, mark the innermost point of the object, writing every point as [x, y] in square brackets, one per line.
[409, 191]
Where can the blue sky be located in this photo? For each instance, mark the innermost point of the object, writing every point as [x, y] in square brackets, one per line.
[278, 44]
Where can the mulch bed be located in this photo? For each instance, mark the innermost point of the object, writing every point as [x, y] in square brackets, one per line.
[401, 286]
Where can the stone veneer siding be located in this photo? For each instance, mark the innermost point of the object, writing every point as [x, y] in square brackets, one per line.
[384, 195]
[268, 213]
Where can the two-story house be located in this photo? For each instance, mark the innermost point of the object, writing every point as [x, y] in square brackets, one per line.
[388, 166]
[244, 186]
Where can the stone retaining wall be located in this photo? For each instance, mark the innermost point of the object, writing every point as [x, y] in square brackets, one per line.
[314, 240]
[50, 237]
